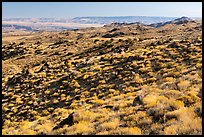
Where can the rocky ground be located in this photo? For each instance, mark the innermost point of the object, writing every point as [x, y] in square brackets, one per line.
[117, 79]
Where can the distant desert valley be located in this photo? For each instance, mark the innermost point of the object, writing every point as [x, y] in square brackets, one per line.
[102, 76]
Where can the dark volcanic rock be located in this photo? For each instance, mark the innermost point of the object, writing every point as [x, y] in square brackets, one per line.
[68, 121]
[113, 35]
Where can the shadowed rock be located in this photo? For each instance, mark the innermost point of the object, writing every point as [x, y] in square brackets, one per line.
[108, 106]
[68, 121]
[137, 101]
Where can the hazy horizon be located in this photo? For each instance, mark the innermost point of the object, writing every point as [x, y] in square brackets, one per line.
[100, 16]
[100, 9]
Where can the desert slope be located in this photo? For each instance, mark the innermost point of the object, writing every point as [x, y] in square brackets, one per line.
[117, 79]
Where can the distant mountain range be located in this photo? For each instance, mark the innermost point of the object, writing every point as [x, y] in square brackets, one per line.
[122, 19]
[12, 27]
[54, 24]
[16, 27]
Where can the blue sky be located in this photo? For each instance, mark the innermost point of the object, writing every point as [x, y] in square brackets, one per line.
[80, 9]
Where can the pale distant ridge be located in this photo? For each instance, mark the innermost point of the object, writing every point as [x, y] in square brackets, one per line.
[177, 21]
[58, 24]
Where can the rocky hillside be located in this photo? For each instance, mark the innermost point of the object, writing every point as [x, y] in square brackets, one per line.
[117, 79]
[182, 20]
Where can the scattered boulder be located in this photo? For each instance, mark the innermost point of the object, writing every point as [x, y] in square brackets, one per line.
[137, 101]
[68, 121]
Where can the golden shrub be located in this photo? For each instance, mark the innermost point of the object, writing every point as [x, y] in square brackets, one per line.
[113, 124]
[176, 104]
[19, 101]
[138, 79]
[150, 100]
[63, 98]
[103, 133]
[98, 101]
[45, 112]
[11, 105]
[169, 79]
[14, 110]
[30, 102]
[184, 84]
[81, 128]
[28, 132]
[55, 94]
[131, 131]
[171, 130]
[55, 101]
[47, 92]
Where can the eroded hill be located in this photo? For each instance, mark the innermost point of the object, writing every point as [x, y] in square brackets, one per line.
[117, 79]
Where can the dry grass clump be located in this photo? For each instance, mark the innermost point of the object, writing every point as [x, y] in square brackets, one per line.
[129, 131]
[110, 125]
[39, 126]
[87, 115]
[170, 79]
[184, 124]
[173, 93]
[81, 128]
[150, 100]
[184, 84]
